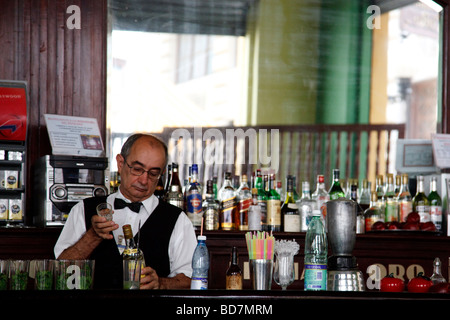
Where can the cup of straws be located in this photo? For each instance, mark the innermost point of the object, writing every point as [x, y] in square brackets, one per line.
[260, 246]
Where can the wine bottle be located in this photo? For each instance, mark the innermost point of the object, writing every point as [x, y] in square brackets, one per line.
[234, 272]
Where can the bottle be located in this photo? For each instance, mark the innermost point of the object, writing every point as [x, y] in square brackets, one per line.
[210, 208]
[159, 191]
[185, 188]
[227, 200]
[273, 207]
[234, 272]
[320, 195]
[200, 265]
[244, 200]
[420, 201]
[336, 191]
[404, 199]
[280, 191]
[254, 213]
[289, 209]
[131, 252]
[435, 204]
[379, 188]
[398, 184]
[306, 206]
[373, 213]
[175, 194]
[194, 199]
[261, 198]
[316, 251]
[437, 276]
[169, 178]
[364, 198]
[360, 219]
[296, 195]
[390, 201]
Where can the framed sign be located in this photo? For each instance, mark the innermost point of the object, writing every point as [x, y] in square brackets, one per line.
[441, 150]
[13, 110]
[415, 156]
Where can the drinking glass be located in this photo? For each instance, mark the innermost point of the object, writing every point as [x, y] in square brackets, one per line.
[43, 276]
[18, 272]
[283, 272]
[105, 210]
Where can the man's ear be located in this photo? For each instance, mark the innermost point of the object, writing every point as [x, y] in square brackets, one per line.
[120, 162]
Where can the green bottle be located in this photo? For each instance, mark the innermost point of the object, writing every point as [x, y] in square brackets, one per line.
[336, 191]
[420, 201]
[261, 198]
[435, 204]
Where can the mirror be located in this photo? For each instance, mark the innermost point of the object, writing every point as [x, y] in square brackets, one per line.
[274, 63]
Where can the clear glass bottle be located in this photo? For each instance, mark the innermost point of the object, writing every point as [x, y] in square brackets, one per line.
[306, 207]
[390, 200]
[244, 200]
[273, 207]
[360, 219]
[131, 252]
[200, 265]
[316, 252]
[175, 194]
[373, 213]
[435, 204]
[398, 184]
[234, 273]
[210, 208]
[379, 188]
[437, 276]
[320, 195]
[404, 199]
[194, 209]
[336, 191]
[227, 200]
[420, 201]
[289, 209]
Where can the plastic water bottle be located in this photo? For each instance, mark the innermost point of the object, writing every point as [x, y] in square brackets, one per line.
[316, 252]
[200, 265]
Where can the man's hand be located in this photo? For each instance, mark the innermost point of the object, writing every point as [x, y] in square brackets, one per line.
[149, 279]
[102, 227]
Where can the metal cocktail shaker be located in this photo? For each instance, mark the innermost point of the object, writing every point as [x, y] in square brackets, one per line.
[341, 224]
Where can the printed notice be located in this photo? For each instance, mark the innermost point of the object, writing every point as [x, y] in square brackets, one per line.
[441, 150]
[75, 136]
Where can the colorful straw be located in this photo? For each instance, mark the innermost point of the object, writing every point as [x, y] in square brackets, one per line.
[260, 245]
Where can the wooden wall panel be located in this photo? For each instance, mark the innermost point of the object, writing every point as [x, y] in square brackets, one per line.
[65, 68]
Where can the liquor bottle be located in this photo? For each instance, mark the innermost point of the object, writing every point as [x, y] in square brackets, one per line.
[420, 201]
[194, 199]
[254, 212]
[364, 198]
[404, 199]
[320, 195]
[360, 219]
[280, 191]
[289, 210]
[244, 199]
[398, 184]
[169, 178]
[373, 213]
[306, 207]
[379, 188]
[390, 201]
[215, 187]
[296, 195]
[234, 272]
[131, 252]
[437, 276]
[159, 191]
[227, 200]
[336, 191]
[185, 187]
[175, 195]
[273, 207]
[435, 204]
[200, 265]
[210, 208]
[261, 198]
[316, 252]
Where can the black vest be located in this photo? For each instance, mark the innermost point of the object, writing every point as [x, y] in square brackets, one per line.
[154, 242]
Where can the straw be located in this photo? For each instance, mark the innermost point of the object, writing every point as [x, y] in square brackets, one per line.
[260, 245]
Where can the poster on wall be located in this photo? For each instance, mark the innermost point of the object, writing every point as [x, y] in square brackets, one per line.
[74, 136]
[13, 110]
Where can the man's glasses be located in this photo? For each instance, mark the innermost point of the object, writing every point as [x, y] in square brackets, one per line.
[152, 174]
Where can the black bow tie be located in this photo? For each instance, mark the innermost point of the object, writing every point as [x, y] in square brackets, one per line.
[134, 206]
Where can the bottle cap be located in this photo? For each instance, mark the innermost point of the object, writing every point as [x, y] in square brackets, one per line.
[127, 233]
[201, 238]
[316, 212]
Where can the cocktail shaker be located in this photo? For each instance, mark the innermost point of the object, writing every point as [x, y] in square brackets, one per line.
[341, 223]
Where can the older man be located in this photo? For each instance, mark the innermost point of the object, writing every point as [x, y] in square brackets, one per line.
[167, 236]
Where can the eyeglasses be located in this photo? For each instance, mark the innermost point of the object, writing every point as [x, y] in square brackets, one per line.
[152, 174]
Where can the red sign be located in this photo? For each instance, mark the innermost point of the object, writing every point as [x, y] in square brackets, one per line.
[13, 113]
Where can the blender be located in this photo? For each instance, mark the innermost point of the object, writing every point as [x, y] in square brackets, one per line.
[343, 272]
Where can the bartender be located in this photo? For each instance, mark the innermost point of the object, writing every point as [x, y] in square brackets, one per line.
[167, 236]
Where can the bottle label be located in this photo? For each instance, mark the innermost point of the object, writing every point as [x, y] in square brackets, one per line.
[370, 221]
[234, 282]
[436, 216]
[405, 207]
[198, 283]
[315, 276]
[273, 212]
[228, 206]
[211, 219]
[424, 213]
[263, 205]
[391, 211]
[291, 223]
[194, 207]
[243, 207]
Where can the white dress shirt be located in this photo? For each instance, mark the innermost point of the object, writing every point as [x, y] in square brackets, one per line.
[181, 245]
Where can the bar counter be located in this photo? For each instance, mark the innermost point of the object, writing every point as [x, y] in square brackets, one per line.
[219, 304]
